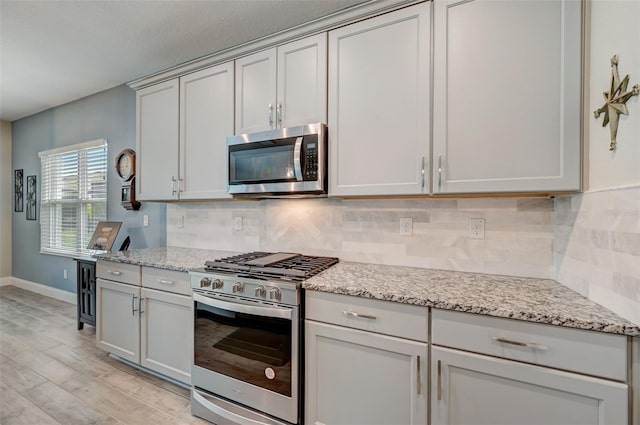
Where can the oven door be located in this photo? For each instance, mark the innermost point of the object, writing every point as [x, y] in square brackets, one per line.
[247, 351]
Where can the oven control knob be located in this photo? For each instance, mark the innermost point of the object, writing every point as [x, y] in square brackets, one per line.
[238, 287]
[261, 291]
[274, 294]
[205, 282]
[217, 284]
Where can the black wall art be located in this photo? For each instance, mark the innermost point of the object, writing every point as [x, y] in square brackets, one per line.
[31, 197]
[17, 191]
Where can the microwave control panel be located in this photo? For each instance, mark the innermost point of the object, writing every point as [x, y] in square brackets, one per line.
[311, 158]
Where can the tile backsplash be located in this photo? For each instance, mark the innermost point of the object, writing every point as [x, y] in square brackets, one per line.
[597, 247]
[519, 232]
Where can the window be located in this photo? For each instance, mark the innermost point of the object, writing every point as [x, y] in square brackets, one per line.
[74, 196]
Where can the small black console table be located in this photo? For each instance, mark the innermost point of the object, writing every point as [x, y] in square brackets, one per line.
[86, 291]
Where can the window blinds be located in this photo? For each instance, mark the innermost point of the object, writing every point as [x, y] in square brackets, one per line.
[73, 196]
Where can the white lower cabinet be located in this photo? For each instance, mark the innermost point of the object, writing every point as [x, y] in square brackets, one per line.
[165, 333]
[117, 321]
[474, 389]
[488, 370]
[357, 377]
[146, 319]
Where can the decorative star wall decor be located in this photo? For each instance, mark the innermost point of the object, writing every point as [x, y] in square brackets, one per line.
[615, 100]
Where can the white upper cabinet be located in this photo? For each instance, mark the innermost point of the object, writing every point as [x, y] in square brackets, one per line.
[256, 92]
[206, 119]
[507, 81]
[302, 82]
[157, 141]
[379, 93]
[283, 86]
[182, 129]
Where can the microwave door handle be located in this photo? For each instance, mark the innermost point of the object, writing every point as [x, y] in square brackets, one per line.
[297, 159]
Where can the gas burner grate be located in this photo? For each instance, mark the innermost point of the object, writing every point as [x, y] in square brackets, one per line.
[296, 267]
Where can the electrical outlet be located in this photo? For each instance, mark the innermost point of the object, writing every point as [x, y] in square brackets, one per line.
[145, 220]
[65, 274]
[406, 226]
[237, 223]
[476, 228]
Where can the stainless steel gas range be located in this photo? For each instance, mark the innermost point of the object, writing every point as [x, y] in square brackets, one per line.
[248, 337]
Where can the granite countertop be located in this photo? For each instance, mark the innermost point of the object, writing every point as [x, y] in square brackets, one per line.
[534, 300]
[169, 258]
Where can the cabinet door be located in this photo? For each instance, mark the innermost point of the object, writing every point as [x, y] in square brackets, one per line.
[166, 333]
[256, 92]
[473, 389]
[355, 377]
[506, 114]
[117, 319]
[206, 119]
[302, 82]
[379, 79]
[157, 141]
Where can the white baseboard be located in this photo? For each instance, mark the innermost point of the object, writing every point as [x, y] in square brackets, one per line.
[41, 289]
[4, 281]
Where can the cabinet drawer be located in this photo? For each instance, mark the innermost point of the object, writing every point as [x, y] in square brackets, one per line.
[384, 317]
[591, 353]
[119, 272]
[166, 280]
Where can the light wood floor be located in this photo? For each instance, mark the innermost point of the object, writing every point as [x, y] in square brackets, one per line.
[51, 373]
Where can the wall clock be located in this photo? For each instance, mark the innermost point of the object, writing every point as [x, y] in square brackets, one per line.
[126, 169]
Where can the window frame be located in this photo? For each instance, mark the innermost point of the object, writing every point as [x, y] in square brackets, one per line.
[54, 196]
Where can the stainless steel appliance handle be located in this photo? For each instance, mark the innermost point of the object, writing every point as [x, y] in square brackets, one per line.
[273, 311]
[224, 413]
[532, 345]
[297, 161]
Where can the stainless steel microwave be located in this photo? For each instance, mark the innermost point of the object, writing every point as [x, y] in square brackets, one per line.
[279, 163]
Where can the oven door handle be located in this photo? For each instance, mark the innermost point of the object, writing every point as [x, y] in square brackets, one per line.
[274, 311]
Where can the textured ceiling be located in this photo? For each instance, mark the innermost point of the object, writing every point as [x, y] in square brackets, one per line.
[54, 52]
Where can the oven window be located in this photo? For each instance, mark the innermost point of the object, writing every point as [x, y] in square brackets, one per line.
[253, 349]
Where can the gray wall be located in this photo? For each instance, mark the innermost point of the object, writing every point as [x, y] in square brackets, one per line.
[110, 114]
[6, 199]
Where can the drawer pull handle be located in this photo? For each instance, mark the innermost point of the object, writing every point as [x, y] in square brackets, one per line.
[354, 314]
[532, 345]
[114, 273]
[166, 282]
[419, 379]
